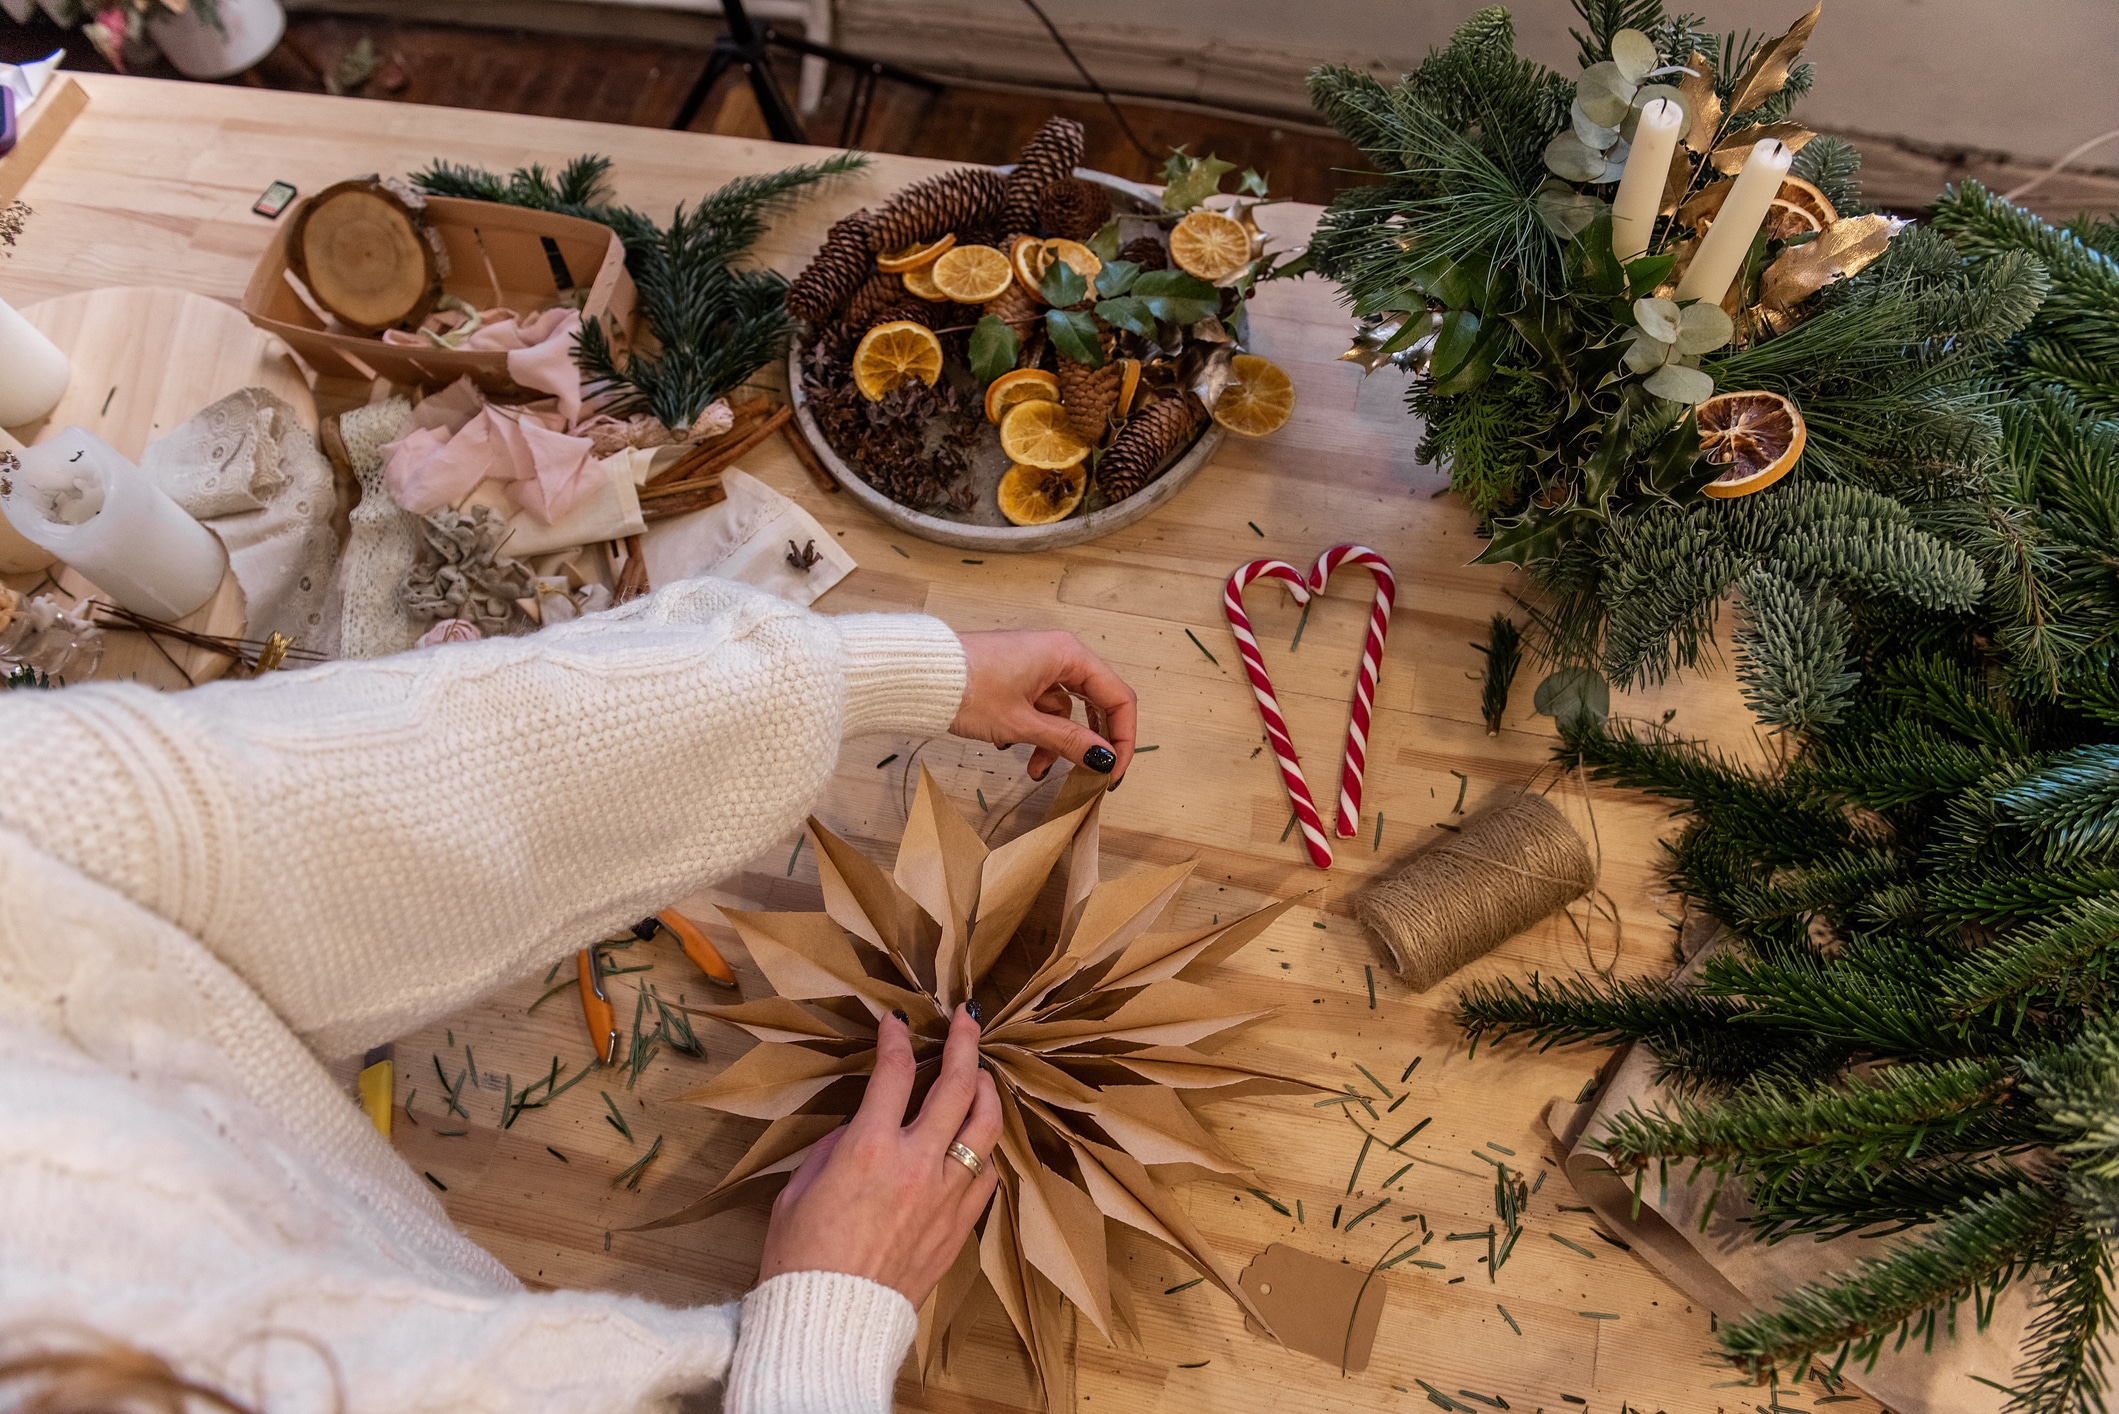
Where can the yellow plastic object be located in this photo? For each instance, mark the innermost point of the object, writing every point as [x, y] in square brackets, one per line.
[378, 1091]
[596, 1006]
[698, 947]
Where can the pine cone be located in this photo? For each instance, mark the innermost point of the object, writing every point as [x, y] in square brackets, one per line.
[1146, 441]
[1015, 308]
[967, 198]
[1054, 153]
[1146, 252]
[1088, 394]
[834, 272]
[877, 294]
[1074, 208]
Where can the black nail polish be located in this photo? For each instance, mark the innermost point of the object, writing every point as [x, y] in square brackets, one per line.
[1114, 785]
[1100, 759]
[976, 1012]
[900, 1015]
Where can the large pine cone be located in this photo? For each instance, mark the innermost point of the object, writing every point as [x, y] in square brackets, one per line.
[1054, 153]
[834, 272]
[968, 198]
[1146, 252]
[1147, 440]
[878, 294]
[1074, 208]
[1015, 308]
[1088, 394]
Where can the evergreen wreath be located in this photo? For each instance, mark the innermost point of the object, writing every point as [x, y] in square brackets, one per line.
[712, 325]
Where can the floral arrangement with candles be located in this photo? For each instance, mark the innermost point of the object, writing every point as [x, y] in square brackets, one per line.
[1634, 298]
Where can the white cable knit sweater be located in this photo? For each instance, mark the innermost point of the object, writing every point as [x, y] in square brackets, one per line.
[202, 892]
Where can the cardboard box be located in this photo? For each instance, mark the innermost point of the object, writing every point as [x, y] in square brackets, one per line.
[498, 256]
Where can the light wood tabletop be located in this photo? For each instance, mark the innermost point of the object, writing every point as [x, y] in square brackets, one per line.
[153, 184]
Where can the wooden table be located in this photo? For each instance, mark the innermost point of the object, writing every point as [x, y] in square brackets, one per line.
[154, 183]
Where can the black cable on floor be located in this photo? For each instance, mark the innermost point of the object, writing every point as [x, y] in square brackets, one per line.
[1090, 79]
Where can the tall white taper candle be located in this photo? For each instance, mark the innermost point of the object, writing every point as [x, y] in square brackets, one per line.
[1640, 196]
[79, 498]
[1728, 240]
[33, 371]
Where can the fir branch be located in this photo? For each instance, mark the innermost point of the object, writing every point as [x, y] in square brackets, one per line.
[2069, 958]
[2070, 806]
[1794, 652]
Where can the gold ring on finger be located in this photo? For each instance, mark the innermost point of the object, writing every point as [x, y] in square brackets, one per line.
[967, 1158]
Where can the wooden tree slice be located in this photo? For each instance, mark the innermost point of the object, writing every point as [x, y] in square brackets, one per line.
[364, 254]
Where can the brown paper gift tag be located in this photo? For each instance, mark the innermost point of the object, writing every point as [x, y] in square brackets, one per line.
[1311, 1302]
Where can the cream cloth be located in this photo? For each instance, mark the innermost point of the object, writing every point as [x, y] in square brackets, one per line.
[746, 538]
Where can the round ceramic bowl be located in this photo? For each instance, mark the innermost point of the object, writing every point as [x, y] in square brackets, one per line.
[983, 527]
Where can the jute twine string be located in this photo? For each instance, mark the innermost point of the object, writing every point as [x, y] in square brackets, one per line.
[1456, 901]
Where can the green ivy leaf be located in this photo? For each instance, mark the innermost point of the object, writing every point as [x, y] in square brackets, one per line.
[993, 348]
[1176, 296]
[1252, 183]
[1105, 242]
[1200, 179]
[1572, 694]
[1116, 277]
[1074, 334]
[1128, 313]
[1643, 275]
[1062, 285]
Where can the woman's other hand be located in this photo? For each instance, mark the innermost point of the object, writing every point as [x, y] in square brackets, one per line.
[1021, 685]
[885, 1200]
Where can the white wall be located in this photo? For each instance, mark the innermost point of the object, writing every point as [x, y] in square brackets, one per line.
[2027, 77]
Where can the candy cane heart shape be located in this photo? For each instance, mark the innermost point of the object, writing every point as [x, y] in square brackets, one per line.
[1254, 668]
[1357, 727]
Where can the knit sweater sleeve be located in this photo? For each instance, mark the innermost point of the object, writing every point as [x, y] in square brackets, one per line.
[373, 845]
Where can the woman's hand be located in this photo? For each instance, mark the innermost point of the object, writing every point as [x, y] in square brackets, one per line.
[886, 1201]
[1021, 686]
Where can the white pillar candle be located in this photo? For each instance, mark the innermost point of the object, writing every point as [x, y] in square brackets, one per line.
[1728, 240]
[81, 500]
[33, 371]
[1640, 195]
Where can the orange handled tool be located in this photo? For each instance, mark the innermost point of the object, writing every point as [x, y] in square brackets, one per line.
[698, 947]
[596, 1007]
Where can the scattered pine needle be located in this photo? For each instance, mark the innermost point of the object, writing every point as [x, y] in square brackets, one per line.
[557, 1155]
[1414, 1130]
[799, 842]
[1202, 647]
[1381, 1088]
[886, 760]
[1271, 1202]
[616, 1119]
[106, 399]
[1254, 526]
[1574, 1246]
[1379, 833]
[1183, 1286]
[1500, 1148]
[1196, 1365]
[1365, 1212]
[1287, 829]
[631, 1177]
[1371, 974]
[901, 553]
[435, 1181]
[1302, 624]
[1599, 1315]
[1508, 1318]
[1463, 784]
[1394, 1178]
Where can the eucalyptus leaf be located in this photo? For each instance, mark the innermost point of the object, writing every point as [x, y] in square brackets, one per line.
[1568, 156]
[1634, 55]
[1200, 180]
[1563, 210]
[1604, 93]
[993, 348]
[1116, 277]
[1105, 242]
[1573, 694]
[1704, 328]
[1073, 333]
[1062, 285]
[1128, 313]
[1646, 354]
[1613, 170]
[1660, 319]
[1680, 384]
[1593, 135]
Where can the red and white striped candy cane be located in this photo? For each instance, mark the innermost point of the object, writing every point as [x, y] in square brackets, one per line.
[1357, 727]
[1268, 705]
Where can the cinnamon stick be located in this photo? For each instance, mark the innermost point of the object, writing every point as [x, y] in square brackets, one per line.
[715, 457]
[632, 580]
[808, 457]
[694, 498]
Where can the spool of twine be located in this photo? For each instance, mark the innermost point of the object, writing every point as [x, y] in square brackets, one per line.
[1459, 900]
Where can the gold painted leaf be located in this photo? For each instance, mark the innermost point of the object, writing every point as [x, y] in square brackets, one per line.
[1730, 156]
[1701, 103]
[1843, 248]
[1767, 73]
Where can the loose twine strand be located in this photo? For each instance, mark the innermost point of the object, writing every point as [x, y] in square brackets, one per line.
[1511, 867]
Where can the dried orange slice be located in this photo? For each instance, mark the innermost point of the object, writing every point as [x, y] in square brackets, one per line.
[972, 274]
[1029, 258]
[919, 282]
[1797, 192]
[1019, 385]
[1259, 397]
[1758, 436]
[891, 355]
[1785, 219]
[1079, 257]
[1210, 246]
[1036, 495]
[1037, 434]
[898, 262]
[1128, 385]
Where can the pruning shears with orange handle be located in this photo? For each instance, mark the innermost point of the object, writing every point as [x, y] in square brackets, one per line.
[596, 1007]
[697, 946]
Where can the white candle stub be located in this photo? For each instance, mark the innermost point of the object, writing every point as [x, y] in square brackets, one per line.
[1728, 240]
[33, 371]
[76, 496]
[1640, 194]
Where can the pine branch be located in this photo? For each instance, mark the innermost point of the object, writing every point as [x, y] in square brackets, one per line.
[2070, 805]
[1794, 653]
[2065, 1347]
[2068, 958]
[1833, 1200]
[1692, 1035]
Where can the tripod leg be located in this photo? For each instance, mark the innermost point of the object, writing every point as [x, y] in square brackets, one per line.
[716, 65]
[780, 119]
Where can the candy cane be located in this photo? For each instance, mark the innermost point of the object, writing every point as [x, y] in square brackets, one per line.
[1268, 705]
[1357, 727]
